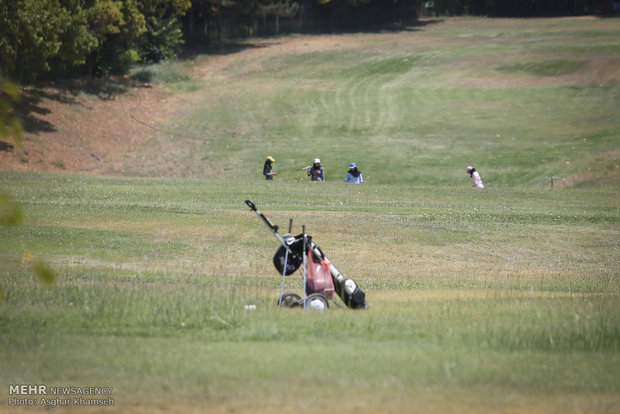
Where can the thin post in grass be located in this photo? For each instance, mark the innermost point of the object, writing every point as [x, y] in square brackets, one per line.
[553, 179]
[303, 229]
[290, 229]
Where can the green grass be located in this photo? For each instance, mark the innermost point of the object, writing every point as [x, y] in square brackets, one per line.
[502, 300]
[543, 68]
[499, 297]
[522, 100]
[160, 73]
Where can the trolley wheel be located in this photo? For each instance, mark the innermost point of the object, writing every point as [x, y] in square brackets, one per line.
[290, 300]
[316, 301]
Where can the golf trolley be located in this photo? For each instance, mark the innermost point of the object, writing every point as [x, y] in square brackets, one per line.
[320, 277]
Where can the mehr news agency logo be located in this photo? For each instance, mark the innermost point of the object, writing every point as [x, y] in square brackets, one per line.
[30, 395]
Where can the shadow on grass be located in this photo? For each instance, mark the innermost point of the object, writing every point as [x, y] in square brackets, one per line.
[407, 25]
[32, 107]
[220, 48]
[229, 47]
[6, 147]
[102, 88]
[30, 111]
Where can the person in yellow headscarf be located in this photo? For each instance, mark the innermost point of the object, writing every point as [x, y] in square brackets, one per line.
[268, 168]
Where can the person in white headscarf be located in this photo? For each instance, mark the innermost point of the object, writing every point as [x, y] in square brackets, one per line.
[316, 172]
[475, 177]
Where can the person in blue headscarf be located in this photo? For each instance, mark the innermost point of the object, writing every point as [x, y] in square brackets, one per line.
[353, 175]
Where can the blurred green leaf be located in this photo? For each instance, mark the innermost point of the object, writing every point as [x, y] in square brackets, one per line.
[10, 212]
[43, 272]
[10, 124]
[37, 266]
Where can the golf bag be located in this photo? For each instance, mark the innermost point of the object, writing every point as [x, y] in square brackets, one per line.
[345, 288]
[322, 276]
[318, 277]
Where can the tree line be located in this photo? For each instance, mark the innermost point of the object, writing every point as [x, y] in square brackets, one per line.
[67, 38]
[52, 39]
[517, 8]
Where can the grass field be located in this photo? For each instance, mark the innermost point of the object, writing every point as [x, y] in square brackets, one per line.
[503, 300]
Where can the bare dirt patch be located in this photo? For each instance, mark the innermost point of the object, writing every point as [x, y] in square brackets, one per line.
[65, 131]
[118, 127]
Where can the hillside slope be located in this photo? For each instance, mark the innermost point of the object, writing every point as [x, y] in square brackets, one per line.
[523, 100]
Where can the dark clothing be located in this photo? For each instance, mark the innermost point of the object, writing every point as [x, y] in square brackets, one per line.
[316, 173]
[267, 170]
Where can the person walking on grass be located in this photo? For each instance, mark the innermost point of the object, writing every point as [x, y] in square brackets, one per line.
[353, 175]
[316, 172]
[475, 177]
[268, 168]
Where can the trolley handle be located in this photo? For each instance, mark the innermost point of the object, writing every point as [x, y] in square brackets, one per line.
[272, 226]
